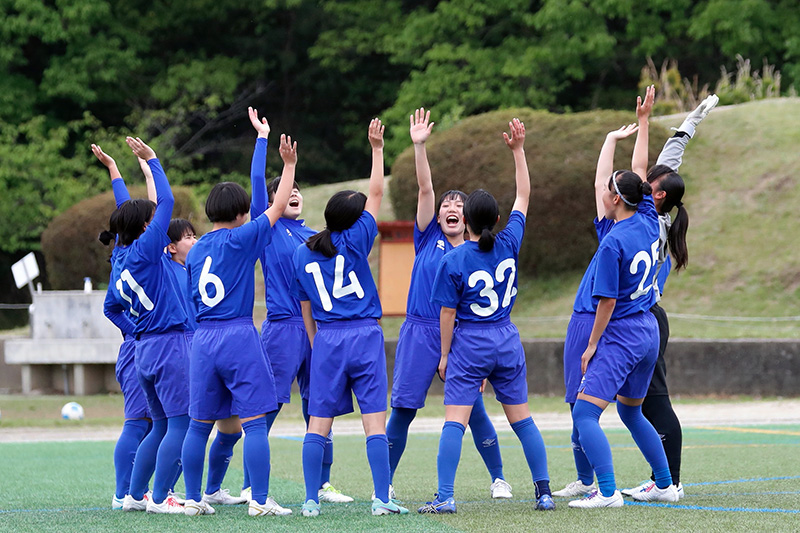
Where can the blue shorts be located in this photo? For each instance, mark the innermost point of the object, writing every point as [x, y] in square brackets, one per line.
[289, 354]
[162, 366]
[625, 358]
[229, 374]
[125, 370]
[348, 357]
[578, 332]
[482, 350]
[416, 359]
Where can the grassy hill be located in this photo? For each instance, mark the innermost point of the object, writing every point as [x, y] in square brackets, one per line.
[743, 176]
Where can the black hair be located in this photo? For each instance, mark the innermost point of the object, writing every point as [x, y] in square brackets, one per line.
[630, 186]
[226, 201]
[127, 222]
[341, 212]
[672, 184]
[453, 194]
[481, 212]
[272, 187]
[179, 228]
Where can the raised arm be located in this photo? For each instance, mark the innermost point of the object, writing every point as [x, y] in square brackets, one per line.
[672, 153]
[164, 198]
[258, 178]
[375, 195]
[643, 109]
[426, 199]
[517, 144]
[121, 194]
[605, 164]
[288, 151]
[148, 180]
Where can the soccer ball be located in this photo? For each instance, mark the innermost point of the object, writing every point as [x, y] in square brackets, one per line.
[72, 411]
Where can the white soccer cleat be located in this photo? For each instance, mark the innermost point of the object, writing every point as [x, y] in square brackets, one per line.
[328, 493]
[311, 509]
[178, 498]
[644, 485]
[247, 494]
[194, 508]
[129, 504]
[654, 494]
[168, 506]
[270, 508]
[595, 499]
[576, 488]
[116, 503]
[223, 497]
[392, 495]
[500, 489]
[680, 491]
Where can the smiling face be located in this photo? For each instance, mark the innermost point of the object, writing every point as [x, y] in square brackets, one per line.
[295, 205]
[180, 249]
[451, 216]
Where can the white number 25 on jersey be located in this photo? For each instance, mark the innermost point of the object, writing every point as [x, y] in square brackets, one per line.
[340, 290]
[649, 260]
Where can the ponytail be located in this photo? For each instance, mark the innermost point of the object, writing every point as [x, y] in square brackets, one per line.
[677, 238]
[106, 237]
[671, 183]
[486, 241]
[321, 242]
[645, 189]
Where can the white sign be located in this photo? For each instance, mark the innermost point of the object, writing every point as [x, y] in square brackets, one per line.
[25, 270]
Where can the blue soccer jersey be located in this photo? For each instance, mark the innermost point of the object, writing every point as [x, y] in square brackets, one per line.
[145, 288]
[481, 286]
[624, 264]
[429, 248]
[340, 287]
[182, 282]
[220, 270]
[584, 302]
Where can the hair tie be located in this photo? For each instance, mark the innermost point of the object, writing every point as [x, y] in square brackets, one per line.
[614, 181]
[679, 204]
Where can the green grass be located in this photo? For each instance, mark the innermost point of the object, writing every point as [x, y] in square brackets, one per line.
[726, 475]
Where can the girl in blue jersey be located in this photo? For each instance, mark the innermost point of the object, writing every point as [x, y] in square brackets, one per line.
[338, 295]
[137, 418]
[146, 289]
[476, 284]
[668, 189]
[283, 334]
[438, 230]
[230, 380]
[618, 361]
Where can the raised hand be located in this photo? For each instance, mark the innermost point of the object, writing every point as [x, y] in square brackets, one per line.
[261, 126]
[103, 157]
[517, 139]
[376, 134]
[624, 131]
[288, 150]
[420, 125]
[643, 109]
[698, 114]
[140, 149]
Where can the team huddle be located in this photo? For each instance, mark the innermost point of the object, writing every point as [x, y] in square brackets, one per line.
[192, 357]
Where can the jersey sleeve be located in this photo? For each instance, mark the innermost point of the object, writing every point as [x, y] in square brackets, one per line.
[114, 311]
[165, 201]
[672, 153]
[422, 237]
[121, 194]
[253, 236]
[361, 236]
[647, 208]
[602, 227]
[514, 230]
[258, 179]
[446, 284]
[606, 280]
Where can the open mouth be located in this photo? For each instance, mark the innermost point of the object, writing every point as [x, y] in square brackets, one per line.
[451, 220]
[294, 202]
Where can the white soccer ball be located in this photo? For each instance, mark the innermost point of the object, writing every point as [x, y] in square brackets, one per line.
[72, 411]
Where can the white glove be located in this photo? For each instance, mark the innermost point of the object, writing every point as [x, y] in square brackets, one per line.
[693, 119]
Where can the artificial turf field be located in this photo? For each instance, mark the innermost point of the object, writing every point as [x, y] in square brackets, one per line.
[735, 479]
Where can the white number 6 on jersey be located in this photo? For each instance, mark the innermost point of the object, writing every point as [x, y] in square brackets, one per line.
[206, 279]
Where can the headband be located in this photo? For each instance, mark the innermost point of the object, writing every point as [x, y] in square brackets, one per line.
[614, 181]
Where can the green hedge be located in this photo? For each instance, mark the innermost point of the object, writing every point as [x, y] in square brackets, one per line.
[70, 246]
[562, 155]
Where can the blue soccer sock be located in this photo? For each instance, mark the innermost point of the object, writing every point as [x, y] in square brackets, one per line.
[485, 438]
[133, 431]
[535, 454]
[648, 441]
[219, 457]
[313, 450]
[327, 460]
[145, 462]
[169, 456]
[582, 464]
[193, 456]
[448, 457]
[256, 457]
[176, 476]
[378, 457]
[397, 434]
[271, 416]
[586, 417]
